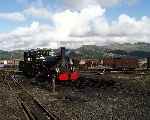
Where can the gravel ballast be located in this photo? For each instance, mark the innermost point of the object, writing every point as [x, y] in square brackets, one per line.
[106, 98]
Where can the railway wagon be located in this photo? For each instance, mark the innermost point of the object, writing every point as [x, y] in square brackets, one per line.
[85, 64]
[121, 63]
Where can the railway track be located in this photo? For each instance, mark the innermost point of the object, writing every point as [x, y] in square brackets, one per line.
[31, 107]
[113, 71]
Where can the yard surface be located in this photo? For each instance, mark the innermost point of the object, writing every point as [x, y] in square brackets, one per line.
[107, 97]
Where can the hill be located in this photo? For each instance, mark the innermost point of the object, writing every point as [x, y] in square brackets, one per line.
[139, 50]
[140, 46]
[17, 54]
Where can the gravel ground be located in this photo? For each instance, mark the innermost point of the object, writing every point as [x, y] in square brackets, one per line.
[106, 98]
[9, 109]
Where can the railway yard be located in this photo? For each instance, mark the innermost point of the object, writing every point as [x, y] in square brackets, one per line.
[74, 60]
[109, 96]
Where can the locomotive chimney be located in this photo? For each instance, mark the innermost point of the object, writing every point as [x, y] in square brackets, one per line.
[62, 52]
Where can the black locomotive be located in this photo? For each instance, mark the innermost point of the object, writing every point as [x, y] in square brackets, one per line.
[48, 63]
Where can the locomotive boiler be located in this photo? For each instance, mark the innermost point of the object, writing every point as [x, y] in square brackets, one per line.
[48, 63]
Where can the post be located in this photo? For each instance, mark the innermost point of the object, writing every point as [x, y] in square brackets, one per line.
[148, 62]
[53, 84]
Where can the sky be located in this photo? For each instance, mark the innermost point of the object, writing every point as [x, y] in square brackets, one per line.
[26, 24]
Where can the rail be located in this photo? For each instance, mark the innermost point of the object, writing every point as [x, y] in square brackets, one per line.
[32, 108]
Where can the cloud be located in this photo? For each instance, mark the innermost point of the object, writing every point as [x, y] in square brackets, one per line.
[74, 28]
[41, 12]
[127, 26]
[83, 3]
[27, 3]
[79, 4]
[77, 23]
[74, 4]
[37, 12]
[14, 16]
[31, 36]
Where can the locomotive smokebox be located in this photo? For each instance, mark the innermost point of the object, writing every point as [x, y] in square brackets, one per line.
[63, 52]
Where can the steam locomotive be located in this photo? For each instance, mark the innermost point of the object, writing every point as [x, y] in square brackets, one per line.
[47, 63]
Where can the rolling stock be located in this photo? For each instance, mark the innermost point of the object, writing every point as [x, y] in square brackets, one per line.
[47, 63]
[110, 63]
[121, 63]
